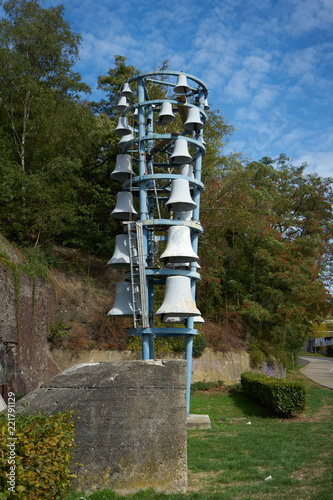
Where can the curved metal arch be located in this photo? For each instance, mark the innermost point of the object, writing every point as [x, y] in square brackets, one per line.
[172, 137]
[149, 177]
[171, 73]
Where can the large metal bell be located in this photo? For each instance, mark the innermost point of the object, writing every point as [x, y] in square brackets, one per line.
[120, 258]
[183, 215]
[123, 169]
[123, 304]
[181, 85]
[186, 170]
[180, 197]
[180, 152]
[123, 127]
[124, 208]
[193, 121]
[126, 139]
[178, 299]
[179, 248]
[126, 90]
[165, 115]
[122, 104]
[177, 319]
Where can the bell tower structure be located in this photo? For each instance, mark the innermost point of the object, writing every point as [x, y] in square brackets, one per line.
[162, 149]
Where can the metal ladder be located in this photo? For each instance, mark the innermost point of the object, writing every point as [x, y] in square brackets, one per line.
[138, 274]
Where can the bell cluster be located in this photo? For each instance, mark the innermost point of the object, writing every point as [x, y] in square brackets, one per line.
[161, 175]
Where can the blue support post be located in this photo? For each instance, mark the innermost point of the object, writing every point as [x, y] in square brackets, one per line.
[143, 192]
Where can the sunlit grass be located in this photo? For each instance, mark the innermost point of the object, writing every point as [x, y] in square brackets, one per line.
[244, 447]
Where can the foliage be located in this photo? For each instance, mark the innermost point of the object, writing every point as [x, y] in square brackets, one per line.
[266, 252]
[199, 344]
[44, 127]
[206, 386]
[279, 396]
[43, 451]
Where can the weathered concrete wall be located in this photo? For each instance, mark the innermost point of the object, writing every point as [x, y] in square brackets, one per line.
[210, 367]
[132, 429]
[226, 366]
[26, 305]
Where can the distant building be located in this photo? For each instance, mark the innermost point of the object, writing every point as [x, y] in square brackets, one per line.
[321, 342]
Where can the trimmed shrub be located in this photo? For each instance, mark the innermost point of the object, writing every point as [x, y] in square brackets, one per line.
[206, 386]
[38, 460]
[279, 396]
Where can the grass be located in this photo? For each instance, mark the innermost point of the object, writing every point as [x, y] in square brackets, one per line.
[234, 458]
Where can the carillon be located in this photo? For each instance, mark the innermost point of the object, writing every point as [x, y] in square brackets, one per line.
[180, 152]
[180, 198]
[179, 248]
[124, 209]
[123, 169]
[166, 115]
[178, 298]
[158, 164]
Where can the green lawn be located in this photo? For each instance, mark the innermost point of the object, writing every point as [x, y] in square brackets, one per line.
[234, 459]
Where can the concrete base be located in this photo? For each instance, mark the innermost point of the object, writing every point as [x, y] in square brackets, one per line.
[132, 432]
[199, 422]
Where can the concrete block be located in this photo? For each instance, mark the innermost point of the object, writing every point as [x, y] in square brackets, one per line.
[199, 422]
[132, 429]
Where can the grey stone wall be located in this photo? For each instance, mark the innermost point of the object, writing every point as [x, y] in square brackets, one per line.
[131, 434]
[26, 306]
[210, 367]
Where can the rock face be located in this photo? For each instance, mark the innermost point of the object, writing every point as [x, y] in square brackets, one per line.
[25, 311]
[132, 429]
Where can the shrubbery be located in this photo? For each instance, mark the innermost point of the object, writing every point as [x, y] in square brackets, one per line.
[281, 397]
[42, 455]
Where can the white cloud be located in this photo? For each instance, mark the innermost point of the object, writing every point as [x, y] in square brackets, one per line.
[308, 15]
[320, 161]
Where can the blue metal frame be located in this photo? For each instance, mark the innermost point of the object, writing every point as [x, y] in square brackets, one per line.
[143, 183]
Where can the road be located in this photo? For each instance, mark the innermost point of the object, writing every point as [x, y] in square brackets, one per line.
[320, 370]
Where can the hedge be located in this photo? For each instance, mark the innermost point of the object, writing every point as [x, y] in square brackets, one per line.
[279, 396]
[37, 459]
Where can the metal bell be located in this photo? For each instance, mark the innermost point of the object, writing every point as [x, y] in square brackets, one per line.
[179, 320]
[173, 319]
[123, 304]
[123, 127]
[123, 169]
[193, 121]
[124, 208]
[165, 115]
[180, 153]
[120, 258]
[122, 104]
[126, 139]
[180, 197]
[186, 170]
[183, 215]
[179, 247]
[206, 105]
[178, 299]
[181, 85]
[126, 90]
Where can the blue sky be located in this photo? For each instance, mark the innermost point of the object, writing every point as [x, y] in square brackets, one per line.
[268, 64]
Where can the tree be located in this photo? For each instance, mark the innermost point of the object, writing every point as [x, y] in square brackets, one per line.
[43, 124]
[265, 251]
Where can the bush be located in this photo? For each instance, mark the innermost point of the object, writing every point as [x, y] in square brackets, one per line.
[199, 344]
[39, 460]
[206, 386]
[279, 396]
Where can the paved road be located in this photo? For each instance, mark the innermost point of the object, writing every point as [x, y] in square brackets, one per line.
[320, 370]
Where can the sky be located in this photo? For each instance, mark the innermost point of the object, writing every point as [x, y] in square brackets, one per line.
[268, 64]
